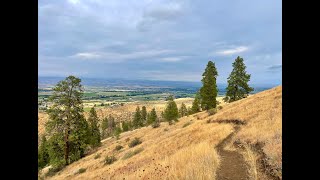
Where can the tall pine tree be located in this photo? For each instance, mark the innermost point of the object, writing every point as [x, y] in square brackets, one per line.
[65, 115]
[111, 125]
[144, 114]
[152, 116]
[209, 90]
[104, 126]
[238, 87]
[43, 155]
[183, 111]
[171, 112]
[196, 104]
[137, 120]
[93, 120]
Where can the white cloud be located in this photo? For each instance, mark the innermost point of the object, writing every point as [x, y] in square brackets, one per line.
[87, 55]
[118, 57]
[73, 1]
[171, 59]
[233, 51]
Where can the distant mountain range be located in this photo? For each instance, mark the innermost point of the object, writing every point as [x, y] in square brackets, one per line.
[44, 82]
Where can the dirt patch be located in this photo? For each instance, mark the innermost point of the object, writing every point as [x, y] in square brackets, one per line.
[232, 165]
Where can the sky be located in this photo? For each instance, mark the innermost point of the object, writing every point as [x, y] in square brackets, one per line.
[159, 39]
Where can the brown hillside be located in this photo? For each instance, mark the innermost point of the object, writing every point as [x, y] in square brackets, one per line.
[178, 152]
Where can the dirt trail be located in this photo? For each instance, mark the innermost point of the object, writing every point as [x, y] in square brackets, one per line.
[232, 165]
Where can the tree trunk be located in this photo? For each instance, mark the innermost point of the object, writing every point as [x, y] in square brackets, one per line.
[66, 149]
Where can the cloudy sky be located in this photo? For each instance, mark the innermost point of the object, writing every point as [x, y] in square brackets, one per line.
[159, 39]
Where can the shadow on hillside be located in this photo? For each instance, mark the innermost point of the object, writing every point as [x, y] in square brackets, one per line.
[232, 121]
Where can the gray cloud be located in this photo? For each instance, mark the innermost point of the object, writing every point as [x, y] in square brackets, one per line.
[159, 14]
[119, 39]
[275, 67]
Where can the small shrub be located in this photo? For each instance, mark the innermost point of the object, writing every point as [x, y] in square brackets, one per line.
[155, 125]
[97, 156]
[186, 124]
[109, 160]
[127, 139]
[132, 153]
[81, 170]
[118, 147]
[166, 129]
[135, 142]
[209, 121]
[212, 111]
[52, 171]
[220, 107]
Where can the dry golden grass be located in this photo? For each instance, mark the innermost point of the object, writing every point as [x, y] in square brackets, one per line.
[189, 151]
[263, 114]
[42, 119]
[178, 147]
[251, 159]
[120, 113]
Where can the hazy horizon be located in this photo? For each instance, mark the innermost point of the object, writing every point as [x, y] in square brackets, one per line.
[84, 79]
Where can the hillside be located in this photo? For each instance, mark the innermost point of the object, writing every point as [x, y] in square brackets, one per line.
[186, 150]
[121, 113]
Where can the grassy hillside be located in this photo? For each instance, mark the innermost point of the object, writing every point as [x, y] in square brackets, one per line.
[186, 150]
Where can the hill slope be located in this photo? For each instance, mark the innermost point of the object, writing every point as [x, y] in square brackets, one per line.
[186, 150]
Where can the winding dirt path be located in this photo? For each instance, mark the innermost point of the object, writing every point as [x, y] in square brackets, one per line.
[232, 165]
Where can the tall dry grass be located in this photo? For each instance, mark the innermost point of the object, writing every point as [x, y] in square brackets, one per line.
[263, 114]
[188, 151]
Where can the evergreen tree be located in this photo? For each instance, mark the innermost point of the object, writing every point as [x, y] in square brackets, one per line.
[171, 112]
[196, 104]
[111, 125]
[56, 150]
[125, 126]
[117, 131]
[209, 90]
[43, 155]
[79, 139]
[152, 116]
[238, 87]
[104, 126]
[189, 111]
[183, 110]
[65, 114]
[93, 120]
[137, 120]
[144, 114]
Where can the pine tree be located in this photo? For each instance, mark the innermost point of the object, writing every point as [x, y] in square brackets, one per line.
[125, 126]
[111, 125]
[43, 155]
[189, 111]
[238, 87]
[183, 110]
[209, 90]
[65, 114]
[196, 104]
[104, 126]
[171, 112]
[117, 131]
[144, 114]
[79, 139]
[152, 116]
[137, 120]
[93, 120]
